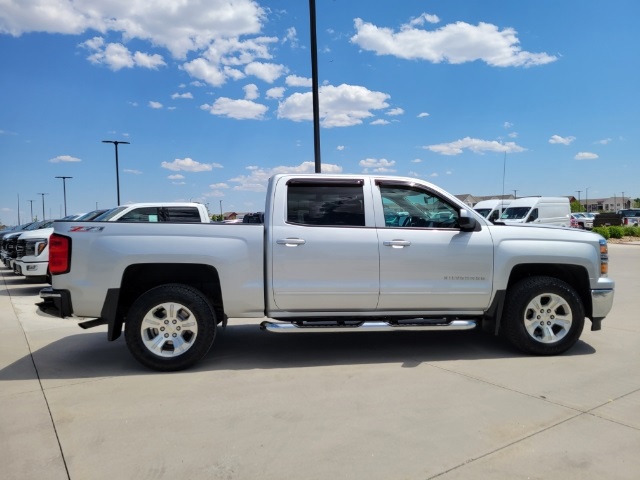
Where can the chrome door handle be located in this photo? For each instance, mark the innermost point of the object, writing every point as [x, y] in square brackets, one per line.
[396, 243]
[291, 242]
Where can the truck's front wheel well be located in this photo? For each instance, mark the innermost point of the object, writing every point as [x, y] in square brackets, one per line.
[140, 278]
[574, 275]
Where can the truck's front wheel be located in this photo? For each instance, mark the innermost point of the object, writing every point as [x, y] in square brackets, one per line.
[170, 327]
[543, 316]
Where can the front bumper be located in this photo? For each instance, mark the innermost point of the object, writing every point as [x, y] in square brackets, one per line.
[55, 302]
[602, 302]
[31, 269]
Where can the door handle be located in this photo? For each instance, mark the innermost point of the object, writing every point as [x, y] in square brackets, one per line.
[291, 242]
[396, 243]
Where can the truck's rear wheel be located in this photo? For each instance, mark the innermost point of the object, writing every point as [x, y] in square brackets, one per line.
[543, 316]
[170, 327]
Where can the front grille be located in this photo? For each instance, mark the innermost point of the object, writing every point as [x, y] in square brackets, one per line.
[11, 247]
[20, 248]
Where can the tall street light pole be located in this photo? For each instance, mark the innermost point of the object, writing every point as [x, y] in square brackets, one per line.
[116, 143]
[64, 191]
[43, 194]
[31, 202]
[314, 86]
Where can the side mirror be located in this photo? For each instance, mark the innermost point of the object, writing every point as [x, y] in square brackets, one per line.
[467, 222]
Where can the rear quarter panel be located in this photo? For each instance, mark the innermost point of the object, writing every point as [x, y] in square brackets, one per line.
[99, 258]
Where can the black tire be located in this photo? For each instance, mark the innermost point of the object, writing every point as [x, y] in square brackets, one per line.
[543, 316]
[170, 327]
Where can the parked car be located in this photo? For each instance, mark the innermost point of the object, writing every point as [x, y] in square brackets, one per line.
[630, 216]
[174, 212]
[9, 250]
[580, 220]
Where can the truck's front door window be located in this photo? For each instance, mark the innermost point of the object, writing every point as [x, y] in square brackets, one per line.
[406, 206]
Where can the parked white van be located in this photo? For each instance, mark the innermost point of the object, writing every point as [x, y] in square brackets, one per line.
[491, 209]
[539, 210]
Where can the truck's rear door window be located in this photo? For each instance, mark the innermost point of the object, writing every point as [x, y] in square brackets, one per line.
[327, 205]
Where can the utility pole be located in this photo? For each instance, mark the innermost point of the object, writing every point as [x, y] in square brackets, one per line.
[64, 190]
[314, 86]
[221, 217]
[116, 143]
[31, 202]
[43, 194]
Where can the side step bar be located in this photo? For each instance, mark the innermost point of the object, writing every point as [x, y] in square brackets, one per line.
[377, 326]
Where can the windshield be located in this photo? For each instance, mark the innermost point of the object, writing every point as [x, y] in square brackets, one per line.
[515, 213]
[483, 211]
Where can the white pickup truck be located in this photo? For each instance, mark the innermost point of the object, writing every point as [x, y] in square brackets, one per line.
[339, 253]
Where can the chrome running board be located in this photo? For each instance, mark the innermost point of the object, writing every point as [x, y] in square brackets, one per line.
[370, 326]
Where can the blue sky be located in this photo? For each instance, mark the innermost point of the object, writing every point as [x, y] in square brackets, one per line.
[214, 96]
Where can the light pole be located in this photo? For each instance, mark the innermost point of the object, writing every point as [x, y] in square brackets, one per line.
[64, 190]
[515, 194]
[586, 199]
[43, 194]
[314, 86]
[221, 217]
[579, 198]
[31, 202]
[116, 143]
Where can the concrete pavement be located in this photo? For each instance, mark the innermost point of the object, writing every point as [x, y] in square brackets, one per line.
[325, 406]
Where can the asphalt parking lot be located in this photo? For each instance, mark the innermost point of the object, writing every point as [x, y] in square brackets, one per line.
[447, 405]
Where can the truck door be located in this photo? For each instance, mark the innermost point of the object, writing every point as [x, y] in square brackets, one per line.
[324, 247]
[426, 262]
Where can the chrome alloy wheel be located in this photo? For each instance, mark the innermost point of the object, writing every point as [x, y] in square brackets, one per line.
[169, 329]
[548, 318]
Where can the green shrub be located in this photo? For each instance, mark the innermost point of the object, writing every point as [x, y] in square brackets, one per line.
[616, 231]
[604, 231]
[632, 231]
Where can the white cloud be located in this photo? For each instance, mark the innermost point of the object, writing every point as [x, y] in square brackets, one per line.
[454, 43]
[604, 141]
[423, 115]
[202, 69]
[380, 121]
[251, 91]
[64, 158]
[182, 95]
[586, 156]
[181, 27]
[416, 160]
[395, 111]
[474, 145]
[507, 125]
[291, 37]
[218, 185]
[256, 180]
[557, 139]
[425, 17]
[275, 92]
[129, 170]
[340, 148]
[189, 165]
[155, 105]
[238, 109]
[374, 165]
[341, 106]
[116, 56]
[177, 176]
[268, 72]
[296, 81]
[512, 135]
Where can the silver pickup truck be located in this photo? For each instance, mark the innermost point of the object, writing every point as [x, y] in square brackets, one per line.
[336, 253]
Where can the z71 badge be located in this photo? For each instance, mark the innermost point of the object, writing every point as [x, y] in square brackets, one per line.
[86, 229]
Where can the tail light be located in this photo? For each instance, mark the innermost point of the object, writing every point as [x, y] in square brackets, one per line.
[59, 254]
